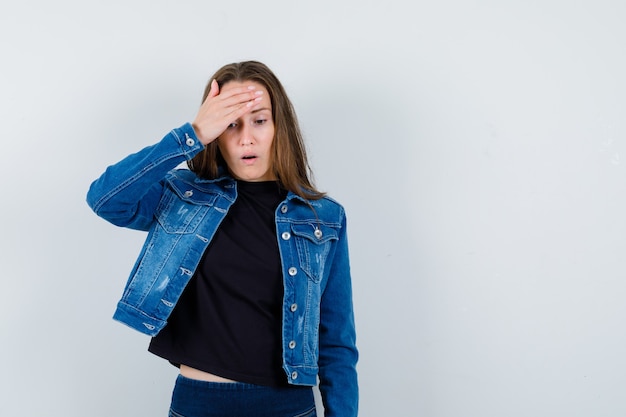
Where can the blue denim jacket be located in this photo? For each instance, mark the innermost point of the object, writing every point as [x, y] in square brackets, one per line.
[181, 213]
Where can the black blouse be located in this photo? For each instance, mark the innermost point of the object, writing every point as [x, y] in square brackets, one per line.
[228, 320]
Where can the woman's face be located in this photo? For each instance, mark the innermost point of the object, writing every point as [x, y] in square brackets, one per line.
[247, 141]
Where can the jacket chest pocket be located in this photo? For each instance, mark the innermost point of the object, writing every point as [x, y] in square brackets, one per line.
[313, 243]
[178, 215]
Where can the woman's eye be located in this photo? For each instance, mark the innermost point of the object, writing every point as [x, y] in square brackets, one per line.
[232, 125]
[260, 121]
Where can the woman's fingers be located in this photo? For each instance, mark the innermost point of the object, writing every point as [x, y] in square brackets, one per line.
[215, 88]
[221, 108]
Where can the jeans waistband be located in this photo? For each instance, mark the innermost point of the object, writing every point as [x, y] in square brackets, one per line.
[195, 398]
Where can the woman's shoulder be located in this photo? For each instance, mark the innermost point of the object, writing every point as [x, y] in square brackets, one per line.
[186, 181]
[181, 177]
[328, 209]
[331, 202]
[186, 175]
[182, 173]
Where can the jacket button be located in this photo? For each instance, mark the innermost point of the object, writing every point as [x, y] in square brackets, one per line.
[286, 235]
[189, 141]
[293, 307]
[292, 344]
[318, 233]
[293, 271]
[284, 209]
[294, 375]
[188, 193]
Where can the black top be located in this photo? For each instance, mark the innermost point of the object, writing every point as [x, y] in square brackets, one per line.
[228, 320]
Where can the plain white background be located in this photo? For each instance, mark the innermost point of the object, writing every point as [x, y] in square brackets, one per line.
[478, 147]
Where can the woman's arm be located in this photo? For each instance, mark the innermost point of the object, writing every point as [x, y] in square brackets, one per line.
[338, 354]
[128, 192]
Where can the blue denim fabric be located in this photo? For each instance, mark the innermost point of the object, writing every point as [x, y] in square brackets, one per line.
[193, 398]
[181, 212]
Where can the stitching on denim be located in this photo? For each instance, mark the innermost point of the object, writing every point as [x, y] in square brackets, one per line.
[173, 413]
[309, 413]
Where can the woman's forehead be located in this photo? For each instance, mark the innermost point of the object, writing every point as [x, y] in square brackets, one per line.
[238, 84]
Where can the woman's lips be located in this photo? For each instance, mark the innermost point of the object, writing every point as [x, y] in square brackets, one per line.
[248, 159]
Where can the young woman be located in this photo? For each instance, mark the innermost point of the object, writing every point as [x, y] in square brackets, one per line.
[244, 279]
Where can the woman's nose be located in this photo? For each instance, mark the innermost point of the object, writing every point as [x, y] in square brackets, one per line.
[246, 137]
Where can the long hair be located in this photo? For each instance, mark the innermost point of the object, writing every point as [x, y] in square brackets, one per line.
[289, 161]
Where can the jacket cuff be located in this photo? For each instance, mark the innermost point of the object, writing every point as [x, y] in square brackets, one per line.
[189, 142]
[138, 320]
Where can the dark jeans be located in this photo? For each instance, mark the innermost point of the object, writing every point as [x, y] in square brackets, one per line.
[192, 398]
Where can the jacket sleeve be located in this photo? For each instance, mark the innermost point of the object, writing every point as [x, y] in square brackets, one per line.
[338, 354]
[128, 192]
